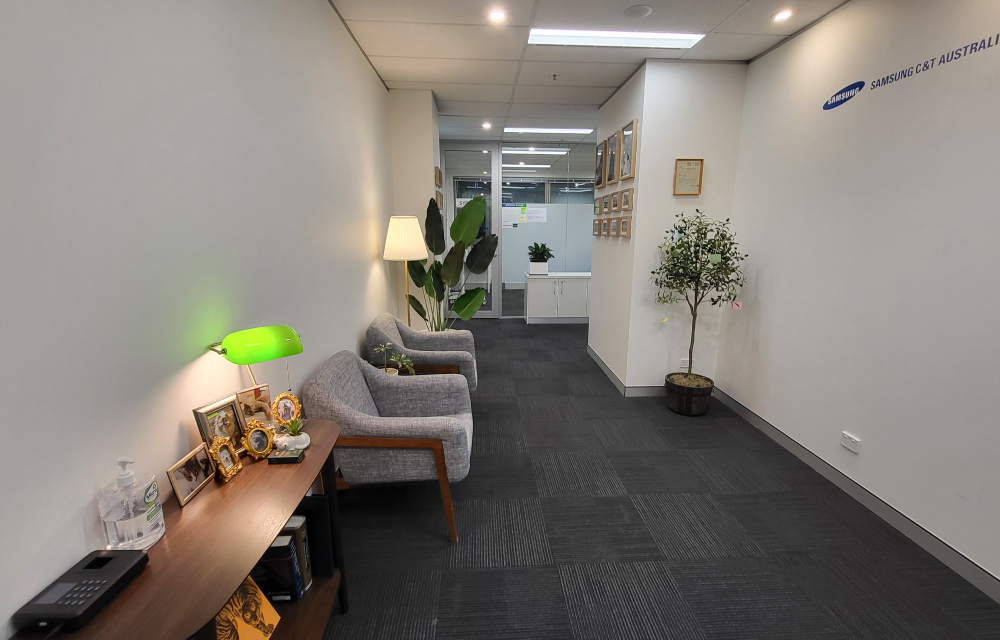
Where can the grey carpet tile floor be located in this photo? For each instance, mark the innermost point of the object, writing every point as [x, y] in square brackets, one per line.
[592, 516]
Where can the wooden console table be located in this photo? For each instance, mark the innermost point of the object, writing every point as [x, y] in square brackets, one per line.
[211, 545]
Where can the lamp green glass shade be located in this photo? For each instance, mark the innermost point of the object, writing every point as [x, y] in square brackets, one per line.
[251, 346]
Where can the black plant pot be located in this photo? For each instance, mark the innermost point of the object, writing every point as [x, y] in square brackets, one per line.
[688, 401]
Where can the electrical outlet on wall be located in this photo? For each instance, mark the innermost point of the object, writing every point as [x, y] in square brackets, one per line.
[684, 363]
[851, 442]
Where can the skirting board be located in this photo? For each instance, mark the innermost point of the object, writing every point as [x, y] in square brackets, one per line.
[529, 320]
[949, 556]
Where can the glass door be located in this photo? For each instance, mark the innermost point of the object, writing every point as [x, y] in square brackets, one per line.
[470, 170]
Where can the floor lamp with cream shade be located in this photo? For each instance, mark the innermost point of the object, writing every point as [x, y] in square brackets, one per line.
[405, 241]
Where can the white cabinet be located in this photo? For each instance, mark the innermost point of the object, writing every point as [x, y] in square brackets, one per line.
[557, 297]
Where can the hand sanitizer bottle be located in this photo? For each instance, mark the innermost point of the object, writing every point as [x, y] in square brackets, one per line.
[132, 515]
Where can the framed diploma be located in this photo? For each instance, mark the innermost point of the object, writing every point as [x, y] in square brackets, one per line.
[688, 173]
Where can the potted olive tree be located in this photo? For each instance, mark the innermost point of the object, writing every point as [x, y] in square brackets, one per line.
[538, 259]
[699, 261]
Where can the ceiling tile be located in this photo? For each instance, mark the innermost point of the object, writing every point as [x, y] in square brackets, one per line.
[756, 16]
[581, 111]
[555, 95]
[557, 122]
[472, 122]
[519, 138]
[730, 46]
[445, 70]
[479, 109]
[405, 39]
[558, 53]
[465, 92]
[684, 16]
[436, 11]
[575, 74]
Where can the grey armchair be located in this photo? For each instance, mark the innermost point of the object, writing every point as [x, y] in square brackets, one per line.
[394, 428]
[452, 347]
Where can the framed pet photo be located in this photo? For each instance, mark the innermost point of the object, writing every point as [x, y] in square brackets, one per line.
[606, 207]
[614, 227]
[627, 199]
[611, 159]
[221, 419]
[688, 173]
[227, 461]
[604, 227]
[191, 474]
[438, 177]
[259, 439]
[625, 227]
[255, 404]
[597, 227]
[626, 157]
[286, 408]
[602, 148]
[615, 201]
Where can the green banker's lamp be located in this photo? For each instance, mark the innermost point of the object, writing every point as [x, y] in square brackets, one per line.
[252, 346]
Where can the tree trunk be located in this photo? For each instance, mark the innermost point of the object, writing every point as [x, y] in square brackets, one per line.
[694, 325]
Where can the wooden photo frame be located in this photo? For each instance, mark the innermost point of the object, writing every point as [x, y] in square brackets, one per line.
[191, 474]
[688, 174]
[602, 148]
[611, 159]
[626, 203]
[255, 403]
[221, 419]
[597, 206]
[626, 157]
[614, 227]
[227, 461]
[625, 227]
[438, 177]
[604, 227]
[616, 201]
[439, 200]
[597, 227]
[259, 440]
[606, 207]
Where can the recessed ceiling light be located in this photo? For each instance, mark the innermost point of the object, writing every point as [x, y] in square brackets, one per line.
[486, 150]
[521, 165]
[487, 125]
[497, 15]
[639, 11]
[576, 132]
[485, 172]
[646, 39]
[781, 16]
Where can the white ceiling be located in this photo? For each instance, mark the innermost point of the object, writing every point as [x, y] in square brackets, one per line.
[481, 71]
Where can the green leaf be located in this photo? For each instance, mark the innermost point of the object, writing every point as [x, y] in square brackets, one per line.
[417, 272]
[451, 271]
[466, 226]
[481, 254]
[469, 302]
[437, 283]
[419, 308]
[429, 281]
[434, 229]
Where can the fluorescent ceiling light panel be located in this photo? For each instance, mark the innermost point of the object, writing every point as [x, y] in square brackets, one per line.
[645, 39]
[520, 151]
[575, 132]
[528, 166]
[525, 171]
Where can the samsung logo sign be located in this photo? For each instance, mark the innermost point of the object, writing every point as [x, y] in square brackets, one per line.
[843, 95]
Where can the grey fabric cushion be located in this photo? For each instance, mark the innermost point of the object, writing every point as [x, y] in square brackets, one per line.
[435, 407]
[380, 331]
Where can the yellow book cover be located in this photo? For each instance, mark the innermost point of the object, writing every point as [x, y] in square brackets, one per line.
[247, 616]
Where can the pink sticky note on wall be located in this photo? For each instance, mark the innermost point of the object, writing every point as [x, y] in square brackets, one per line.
[737, 305]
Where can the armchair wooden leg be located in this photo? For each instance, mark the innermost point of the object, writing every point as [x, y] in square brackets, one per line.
[436, 446]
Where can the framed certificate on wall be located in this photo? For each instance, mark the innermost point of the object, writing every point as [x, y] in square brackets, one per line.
[688, 173]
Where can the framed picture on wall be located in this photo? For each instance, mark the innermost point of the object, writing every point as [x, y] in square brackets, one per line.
[439, 199]
[688, 173]
[625, 227]
[614, 227]
[616, 201]
[438, 177]
[626, 157]
[597, 227]
[604, 227]
[626, 204]
[597, 206]
[611, 159]
[606, 206]
[599, 164]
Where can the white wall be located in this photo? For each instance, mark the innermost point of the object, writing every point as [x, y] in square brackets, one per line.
[872, 231]
[690, 111]
[169, 172]
[611, 258]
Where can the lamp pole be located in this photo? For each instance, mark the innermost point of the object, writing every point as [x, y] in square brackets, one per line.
[406, 279]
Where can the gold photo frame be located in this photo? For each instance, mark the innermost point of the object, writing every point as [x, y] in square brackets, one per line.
[191, 474]
[602, 148]
[626, 202]
[285, 408]
[227, 461]
[259, 440]
[597, 227]
[626, 157]
[615, 201]
[625, 227]
[221, 419]
[611, 159]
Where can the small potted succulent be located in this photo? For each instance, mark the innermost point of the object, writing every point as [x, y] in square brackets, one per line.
[294, 437]
[538, 259]
[699, 261]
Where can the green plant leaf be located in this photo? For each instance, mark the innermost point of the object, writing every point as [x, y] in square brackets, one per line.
[451, 270]
[429, 281]
[481, 254]
[417, 272]
[434, 229]
[466, 226]
[437, 282]
[469, 302]
[419, 308]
